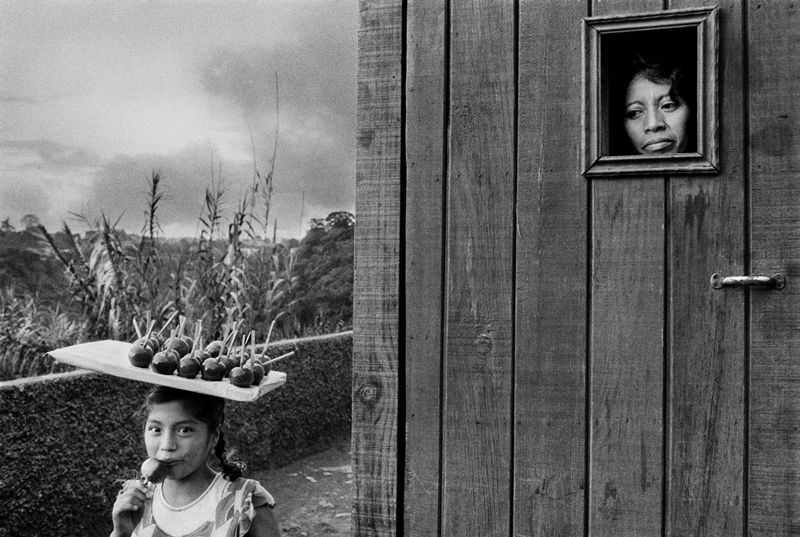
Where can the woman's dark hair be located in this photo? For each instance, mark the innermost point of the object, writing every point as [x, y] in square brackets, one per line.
[660, 71]
[208, 409]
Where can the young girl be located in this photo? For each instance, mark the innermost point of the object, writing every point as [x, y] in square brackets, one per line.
[181, 431]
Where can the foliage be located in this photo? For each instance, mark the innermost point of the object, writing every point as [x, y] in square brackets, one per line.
[27, 332]
[118, 279]
[324, 294]
[110, 280]
[30, 271]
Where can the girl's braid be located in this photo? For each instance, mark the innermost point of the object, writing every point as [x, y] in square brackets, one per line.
[231, 469]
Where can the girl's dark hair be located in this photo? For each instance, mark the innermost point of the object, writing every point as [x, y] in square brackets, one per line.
[208, 409]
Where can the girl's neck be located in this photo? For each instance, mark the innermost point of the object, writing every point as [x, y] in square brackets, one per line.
[181, 492]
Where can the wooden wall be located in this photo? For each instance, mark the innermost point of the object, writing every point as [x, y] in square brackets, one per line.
[537, 354]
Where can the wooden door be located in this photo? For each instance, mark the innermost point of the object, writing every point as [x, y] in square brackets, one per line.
[538, 354]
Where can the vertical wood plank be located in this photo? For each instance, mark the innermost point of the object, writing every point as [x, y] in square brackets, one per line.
[774, 78]
[627, 346]
[377, 269]
[425, 161]
[480, 247]
[550, 344]
[706, 227]
[627, 357]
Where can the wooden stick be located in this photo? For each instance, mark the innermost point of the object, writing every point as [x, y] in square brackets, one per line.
[181, 323]
[269, 333]
[136, 327]
[150, 325]
[241, 351]
[252, 345]
[166, 324]
[233, 341]
[198, 328]
[281, 357]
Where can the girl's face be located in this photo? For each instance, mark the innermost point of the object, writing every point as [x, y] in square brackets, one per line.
[176, 438]
[656, 122]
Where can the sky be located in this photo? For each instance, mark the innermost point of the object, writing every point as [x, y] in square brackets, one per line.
[97, 95]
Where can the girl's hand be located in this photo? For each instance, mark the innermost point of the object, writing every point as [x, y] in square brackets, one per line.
[127, 511]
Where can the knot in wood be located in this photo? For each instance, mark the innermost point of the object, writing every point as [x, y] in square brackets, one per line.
[370, 392]
[483, 344]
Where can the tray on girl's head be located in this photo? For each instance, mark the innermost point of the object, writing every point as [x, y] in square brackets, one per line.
[111, 357]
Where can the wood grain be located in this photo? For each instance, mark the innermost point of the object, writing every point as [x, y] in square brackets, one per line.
[774, 33]
[627, 347]
[376, 287]
[706, 354]
[627, 357]
[480, 248]
[550, 343]
[425, 168]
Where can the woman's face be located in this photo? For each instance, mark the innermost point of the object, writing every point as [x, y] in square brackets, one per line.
[656, 122]
[178, 439]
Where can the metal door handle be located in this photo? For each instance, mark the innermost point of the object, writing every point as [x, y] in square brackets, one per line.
[776, 281]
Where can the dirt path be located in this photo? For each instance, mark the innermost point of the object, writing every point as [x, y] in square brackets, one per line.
[313, 494]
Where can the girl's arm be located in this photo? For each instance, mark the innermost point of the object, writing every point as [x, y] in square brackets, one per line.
[264, 523]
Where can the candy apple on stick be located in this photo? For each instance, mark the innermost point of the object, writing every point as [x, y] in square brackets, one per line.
[191, 364]
[214, 369]
[240, 375]
[153, 471]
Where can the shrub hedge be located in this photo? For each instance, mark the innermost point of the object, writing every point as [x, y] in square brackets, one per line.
[69, 438]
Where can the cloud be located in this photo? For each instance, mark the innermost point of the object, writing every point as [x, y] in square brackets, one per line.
[21, 198]
[120, 187]
[48, 154]
[11, 99]
[237, 76]
[316, 100]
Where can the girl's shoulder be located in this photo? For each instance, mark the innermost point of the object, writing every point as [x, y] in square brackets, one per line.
[242, 491]
[240, 499]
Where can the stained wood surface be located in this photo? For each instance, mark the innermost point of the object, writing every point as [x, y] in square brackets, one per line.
[480, 246]
[425, 170]
[774, 104]
[627, 346]
[706, 364]
[377, 269]
[627, 308]
[550, 344]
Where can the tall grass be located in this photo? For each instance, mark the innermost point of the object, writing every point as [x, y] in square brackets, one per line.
[28, 332]
[228, 275]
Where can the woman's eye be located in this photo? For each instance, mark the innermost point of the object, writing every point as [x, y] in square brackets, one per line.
[669, 106]
[153, 429]
[185, 430]
[634, 114]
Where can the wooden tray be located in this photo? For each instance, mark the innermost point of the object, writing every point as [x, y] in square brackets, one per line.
[111, 357]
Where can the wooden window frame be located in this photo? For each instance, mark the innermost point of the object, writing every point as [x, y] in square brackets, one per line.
[706, 158]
